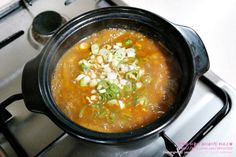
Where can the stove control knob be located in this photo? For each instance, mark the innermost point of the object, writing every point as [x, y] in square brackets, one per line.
[47, 23]
[44, 26]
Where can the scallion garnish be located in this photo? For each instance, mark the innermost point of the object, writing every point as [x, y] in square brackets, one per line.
[128, 42]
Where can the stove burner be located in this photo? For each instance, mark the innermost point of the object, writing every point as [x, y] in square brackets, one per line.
[45, 25]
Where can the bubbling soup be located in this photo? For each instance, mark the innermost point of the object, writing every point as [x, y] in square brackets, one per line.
[116, 80]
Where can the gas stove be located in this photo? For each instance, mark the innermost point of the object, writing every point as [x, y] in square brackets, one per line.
[205, 125]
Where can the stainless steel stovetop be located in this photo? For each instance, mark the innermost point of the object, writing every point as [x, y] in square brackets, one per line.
[35, 131]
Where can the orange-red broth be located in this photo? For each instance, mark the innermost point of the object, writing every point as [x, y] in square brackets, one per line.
[159, 91]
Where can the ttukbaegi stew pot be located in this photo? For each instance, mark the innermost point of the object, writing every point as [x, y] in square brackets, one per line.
[182, 41]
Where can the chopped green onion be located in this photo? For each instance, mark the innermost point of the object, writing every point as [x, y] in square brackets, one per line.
[104, 52]
[93, 83]
[102, 91]
[103, 84]
[119, 54]
[128, 42]
[111, 90]
[132, 75]
[109, 95]
[114, 88]
[141, 101]
[95, 49]
[127, 89]
[134, 87]
[130, 52]
[96, 106]
[104, 112]
[112, 117]
[84, 67]
[107, 83]
[130, 60]
[84, 81]
[81, 113]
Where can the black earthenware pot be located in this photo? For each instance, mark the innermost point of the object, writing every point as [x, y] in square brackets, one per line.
[182, 41]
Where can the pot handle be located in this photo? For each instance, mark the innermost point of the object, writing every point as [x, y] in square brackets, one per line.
[30, 87]
[197, 48]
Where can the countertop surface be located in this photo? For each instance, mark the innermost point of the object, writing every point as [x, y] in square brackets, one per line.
[213, 20]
